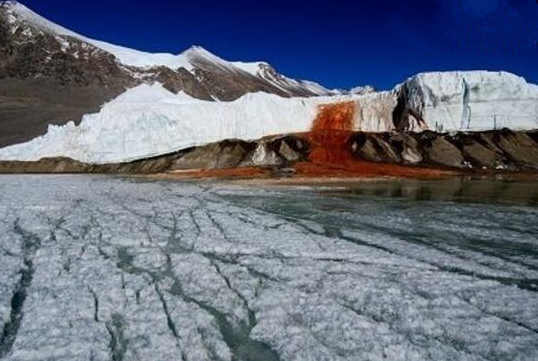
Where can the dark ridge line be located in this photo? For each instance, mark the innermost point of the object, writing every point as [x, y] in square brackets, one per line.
[504, 318]
[95, 305]
[30, 243]
[171, 324]
[118, 344]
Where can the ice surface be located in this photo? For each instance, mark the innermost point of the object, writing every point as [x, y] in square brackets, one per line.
[127, 269]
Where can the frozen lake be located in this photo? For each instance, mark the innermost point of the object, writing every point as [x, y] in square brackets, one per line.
[109, 268]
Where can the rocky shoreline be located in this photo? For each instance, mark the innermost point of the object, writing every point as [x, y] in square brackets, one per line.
[328, 153]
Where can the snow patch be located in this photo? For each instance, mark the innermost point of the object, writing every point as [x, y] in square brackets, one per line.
[252, 68]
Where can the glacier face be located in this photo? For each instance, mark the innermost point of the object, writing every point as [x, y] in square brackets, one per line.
[107, 268]
[472, 101]
[148, 120]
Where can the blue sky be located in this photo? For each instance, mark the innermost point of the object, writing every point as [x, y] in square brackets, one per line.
[339, 43]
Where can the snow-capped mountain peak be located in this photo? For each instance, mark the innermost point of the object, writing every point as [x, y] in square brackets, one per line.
[19, 14]
[250, 67]
[359, 90]
[198, 52]
[195, 57]
[71, 74]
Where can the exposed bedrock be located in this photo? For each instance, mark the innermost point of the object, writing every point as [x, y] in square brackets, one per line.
[492, 150]
[277, 152]
[502, 150]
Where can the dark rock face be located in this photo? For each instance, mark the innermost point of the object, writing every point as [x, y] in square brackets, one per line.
[479, 155]
[276, 151]
[221, 155]
[226, 85]
[43, 81]
[441, 151]
[79, 63]
[491, 150]
[407, 146]
[180, 80]
[519, 148]
[495, 151]
[29, 106]
[225, 154]
[373, 147]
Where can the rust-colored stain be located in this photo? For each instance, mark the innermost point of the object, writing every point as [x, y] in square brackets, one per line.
[329, 147]
[330, 150]
[337, 116]
[226, 173]
[330, 154]
[364, 169]
[330, 133]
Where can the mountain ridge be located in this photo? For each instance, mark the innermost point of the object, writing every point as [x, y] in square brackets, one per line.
[189, 59]
[50, 75]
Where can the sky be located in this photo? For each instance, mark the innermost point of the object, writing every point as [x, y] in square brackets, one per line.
[338, 43]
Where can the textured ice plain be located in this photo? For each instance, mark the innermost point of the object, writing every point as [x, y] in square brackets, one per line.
[105, 268]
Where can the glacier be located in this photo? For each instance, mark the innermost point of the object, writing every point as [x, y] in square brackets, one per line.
[471, 101]
[148, 120]
[100, 268]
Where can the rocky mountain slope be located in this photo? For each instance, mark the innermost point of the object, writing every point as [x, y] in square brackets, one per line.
[51, 75]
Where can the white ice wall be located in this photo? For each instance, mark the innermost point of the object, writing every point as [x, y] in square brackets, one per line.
[473, 100]
[148, 121]
[373, 112]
